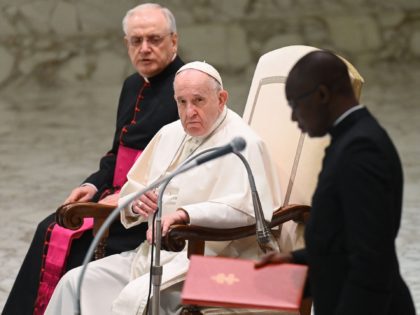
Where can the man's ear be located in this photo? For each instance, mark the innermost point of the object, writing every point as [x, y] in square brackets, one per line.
[324, 94]
[174, 39]
[126, 41]
[223, 97]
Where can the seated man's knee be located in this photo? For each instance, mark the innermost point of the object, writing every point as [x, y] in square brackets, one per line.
[70, 278]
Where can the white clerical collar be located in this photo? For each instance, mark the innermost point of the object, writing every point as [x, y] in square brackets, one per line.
[346, 113]
[217, 123]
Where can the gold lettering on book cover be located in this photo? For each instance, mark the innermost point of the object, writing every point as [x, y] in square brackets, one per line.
[222, 278]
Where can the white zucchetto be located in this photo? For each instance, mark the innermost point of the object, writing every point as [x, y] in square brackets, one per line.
[203, 67]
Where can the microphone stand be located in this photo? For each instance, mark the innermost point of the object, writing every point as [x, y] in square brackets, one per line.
[265, 237]
[157, 269]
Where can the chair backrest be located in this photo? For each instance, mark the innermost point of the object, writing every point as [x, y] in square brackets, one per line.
[297, 156]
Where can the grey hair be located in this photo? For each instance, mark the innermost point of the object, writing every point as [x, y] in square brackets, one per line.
[216, 84]
[166, 12]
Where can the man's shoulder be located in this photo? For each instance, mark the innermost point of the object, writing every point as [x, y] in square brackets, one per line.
[133, 79]
[364, 138]
[171, 128]
[169, 134]
[236, 125]
[367, 129]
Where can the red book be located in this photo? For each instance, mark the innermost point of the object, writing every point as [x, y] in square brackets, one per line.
[228, 282]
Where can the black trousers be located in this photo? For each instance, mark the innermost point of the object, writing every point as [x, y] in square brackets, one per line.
[22, 297]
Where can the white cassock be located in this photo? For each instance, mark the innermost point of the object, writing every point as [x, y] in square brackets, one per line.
[215, 194]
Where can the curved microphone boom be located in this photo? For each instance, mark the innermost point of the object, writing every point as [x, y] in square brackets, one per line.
[235, 145]
[265, 237]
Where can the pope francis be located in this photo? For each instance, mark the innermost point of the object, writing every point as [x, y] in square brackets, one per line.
[215, 194]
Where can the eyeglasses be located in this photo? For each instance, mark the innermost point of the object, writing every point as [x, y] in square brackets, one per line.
[152, 40]
[292, 102]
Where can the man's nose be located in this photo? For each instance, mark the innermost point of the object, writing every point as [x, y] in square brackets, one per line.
[145, 46]
[190, 109]
[293, 115]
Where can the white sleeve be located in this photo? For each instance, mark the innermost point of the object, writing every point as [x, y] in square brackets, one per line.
[217, 215]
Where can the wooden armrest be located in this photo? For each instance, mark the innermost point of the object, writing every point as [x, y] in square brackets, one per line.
[71, 215]
[177, 235]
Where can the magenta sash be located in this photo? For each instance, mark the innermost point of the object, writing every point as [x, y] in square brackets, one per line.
[60, 240]
[125, 160]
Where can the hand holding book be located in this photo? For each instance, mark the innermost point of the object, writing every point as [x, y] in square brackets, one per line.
[274, 258]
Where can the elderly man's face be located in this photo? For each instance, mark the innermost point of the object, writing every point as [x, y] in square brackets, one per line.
[151, 45]
[199, 103]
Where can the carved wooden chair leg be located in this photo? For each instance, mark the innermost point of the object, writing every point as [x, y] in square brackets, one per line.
[100, 248]
[305, 307]
[190, 310]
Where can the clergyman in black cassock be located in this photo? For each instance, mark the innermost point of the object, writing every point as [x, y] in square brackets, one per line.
[146, 104]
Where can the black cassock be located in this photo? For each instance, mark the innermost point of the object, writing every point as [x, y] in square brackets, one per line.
[355, 218]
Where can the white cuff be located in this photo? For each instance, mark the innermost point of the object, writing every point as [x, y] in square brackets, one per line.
[89, 184]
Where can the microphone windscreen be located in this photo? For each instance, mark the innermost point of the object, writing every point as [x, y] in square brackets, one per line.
[238, 144]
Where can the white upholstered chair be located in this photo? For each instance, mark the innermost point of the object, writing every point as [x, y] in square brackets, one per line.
[297, 156]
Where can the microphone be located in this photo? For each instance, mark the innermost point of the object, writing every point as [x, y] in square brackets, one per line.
[265, 237]
[236, 145]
